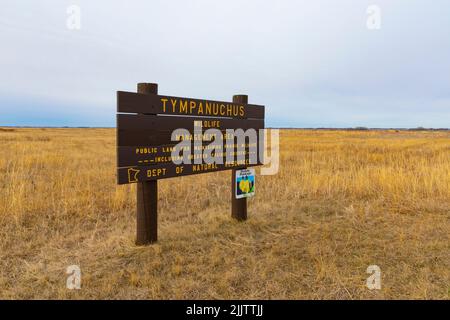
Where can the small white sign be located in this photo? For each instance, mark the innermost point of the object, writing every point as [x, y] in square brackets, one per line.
[245, 183]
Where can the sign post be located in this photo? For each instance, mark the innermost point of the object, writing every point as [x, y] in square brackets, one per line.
[238, 206]
[154, 130]
[147, 195]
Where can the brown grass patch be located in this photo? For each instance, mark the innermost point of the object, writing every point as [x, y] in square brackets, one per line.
[341, 202]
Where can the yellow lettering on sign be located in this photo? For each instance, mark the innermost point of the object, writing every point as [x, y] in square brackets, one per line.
[174, 104]
[229, 109]
[163, 100]
[235, 110]
[208, 108]
[215, 109]
[146, 150]
[211, 124]
[156, 172]
[203, 108]
[192, 106]
[183, 107]
[179, 170]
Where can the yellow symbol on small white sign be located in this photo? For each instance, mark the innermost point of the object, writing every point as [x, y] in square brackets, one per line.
[245, 183]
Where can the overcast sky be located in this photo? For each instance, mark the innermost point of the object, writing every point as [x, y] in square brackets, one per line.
[311, 63]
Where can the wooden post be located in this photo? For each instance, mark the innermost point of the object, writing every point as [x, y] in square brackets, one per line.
[147, 195]
[238, 206]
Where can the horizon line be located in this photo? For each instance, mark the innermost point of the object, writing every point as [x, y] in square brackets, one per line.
[357, 128]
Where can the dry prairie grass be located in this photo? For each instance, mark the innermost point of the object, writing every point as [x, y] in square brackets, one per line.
[342, 201]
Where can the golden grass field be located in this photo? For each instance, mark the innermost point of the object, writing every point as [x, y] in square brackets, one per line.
[343, 200]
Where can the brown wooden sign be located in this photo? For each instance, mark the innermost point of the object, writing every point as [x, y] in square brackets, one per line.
[138, 130]
[156, 104]
[145, 125]
[170, 170]
[128, 156]
[149, 148]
